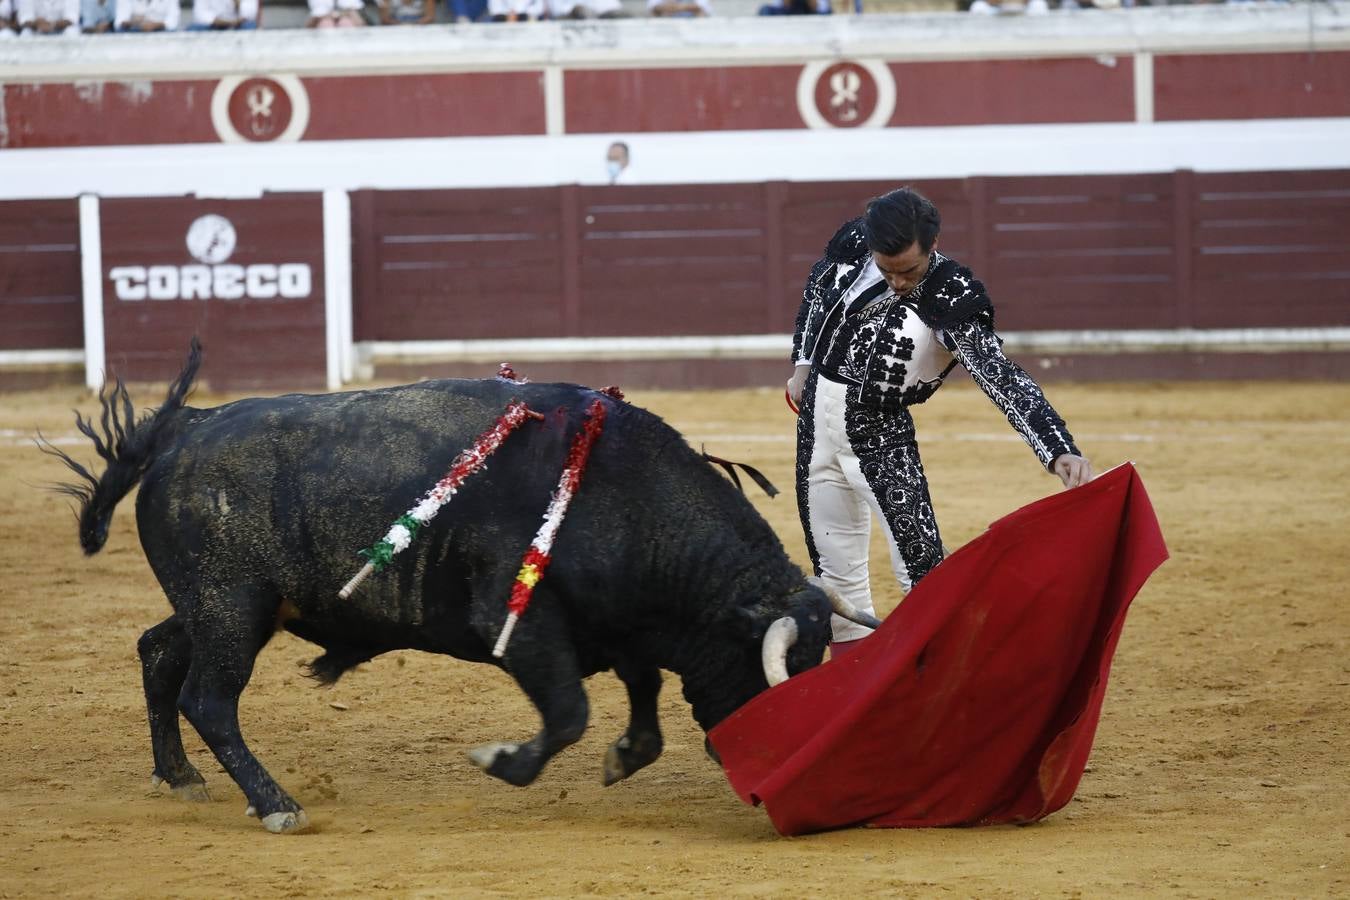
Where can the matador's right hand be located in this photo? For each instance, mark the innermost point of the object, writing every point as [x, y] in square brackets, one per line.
[797, 383]
[1073, 470]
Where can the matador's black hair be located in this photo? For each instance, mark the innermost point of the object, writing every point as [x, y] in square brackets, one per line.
[896, 220]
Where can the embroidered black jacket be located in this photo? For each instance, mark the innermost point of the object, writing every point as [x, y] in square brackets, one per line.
[898, 350]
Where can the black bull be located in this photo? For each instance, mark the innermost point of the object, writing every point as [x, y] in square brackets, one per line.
[251, 513]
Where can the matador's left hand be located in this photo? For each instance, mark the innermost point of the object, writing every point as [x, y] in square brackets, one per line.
[1072, 470]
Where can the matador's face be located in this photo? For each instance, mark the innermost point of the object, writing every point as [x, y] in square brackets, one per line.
[904, 270]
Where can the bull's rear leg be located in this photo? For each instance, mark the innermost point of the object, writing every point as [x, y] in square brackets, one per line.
[544, 664]
[641, 744]
[165, 652]
[228, 630]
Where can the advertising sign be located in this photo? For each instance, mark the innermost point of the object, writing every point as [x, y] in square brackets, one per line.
[246, 276]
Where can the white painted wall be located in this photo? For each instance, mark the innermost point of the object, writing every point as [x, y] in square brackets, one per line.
[895, 154]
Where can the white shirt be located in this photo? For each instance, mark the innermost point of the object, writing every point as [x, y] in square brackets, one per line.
[205, 12]
[165, 11]
[626, 175]
[320, 8]
[561, 9]
[50, 10]
[532, 8]
[705, 5]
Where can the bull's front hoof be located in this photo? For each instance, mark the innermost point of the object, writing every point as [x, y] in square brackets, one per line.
[626, 756]
[483, 757]
[286, 822]
[191, 791]
[512, 763]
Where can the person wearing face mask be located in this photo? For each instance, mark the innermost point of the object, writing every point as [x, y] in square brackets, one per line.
[884, 319]
[616, 161]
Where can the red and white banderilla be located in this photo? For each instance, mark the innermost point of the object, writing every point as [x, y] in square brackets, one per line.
[539, 555]
[406, 526]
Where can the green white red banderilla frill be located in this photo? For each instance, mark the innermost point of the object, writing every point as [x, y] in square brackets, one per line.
[539, 555]
[406, 526]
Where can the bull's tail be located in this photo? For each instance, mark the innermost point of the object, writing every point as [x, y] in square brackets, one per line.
[127, 444]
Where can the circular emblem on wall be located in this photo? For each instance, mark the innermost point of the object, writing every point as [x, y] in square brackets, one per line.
[846, 94]
[211, 239]
[260, 108]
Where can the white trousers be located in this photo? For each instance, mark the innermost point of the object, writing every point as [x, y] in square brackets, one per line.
[840, 511]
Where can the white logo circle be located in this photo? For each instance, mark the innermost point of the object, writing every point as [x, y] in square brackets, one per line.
[211, 239]
[291, 84]
[844, 88]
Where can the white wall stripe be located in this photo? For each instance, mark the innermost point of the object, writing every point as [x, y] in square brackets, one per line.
[1143, 87]
[777, 346]
[1237, 340]
[882, 154]
[337, 286]
[39, 358]
[91, 276]
[555, 101]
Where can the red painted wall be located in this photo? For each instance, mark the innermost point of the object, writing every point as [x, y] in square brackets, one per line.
[457, 264]
[470, 104]
[40, 290]
[1251, 85]
[1073, 252]
[349, 107]
[696, 98]
[94, 114]
[1081, 252]
[1270, 248]
[1014, 91]
[681, 99]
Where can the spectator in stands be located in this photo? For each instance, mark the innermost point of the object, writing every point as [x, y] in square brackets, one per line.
[516, 10]
[796, 8]
[146, 15]
[994, 7]
[407, 12]
[463, 11]
[586, 9]
[7, 26]
[224, 15]
[680, 9]
[616, 161]
[335, 14]
[96, 16]
[49, 16]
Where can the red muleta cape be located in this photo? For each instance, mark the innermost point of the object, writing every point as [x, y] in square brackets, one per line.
[976, 701]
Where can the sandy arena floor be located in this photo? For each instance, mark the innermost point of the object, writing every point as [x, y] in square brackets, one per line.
[1220, 768]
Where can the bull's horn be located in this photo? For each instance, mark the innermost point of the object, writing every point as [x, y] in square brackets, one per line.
[777, 641]
[845, 609]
